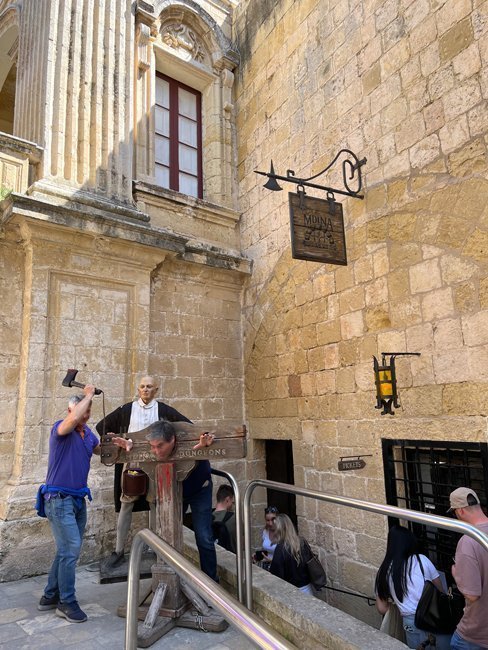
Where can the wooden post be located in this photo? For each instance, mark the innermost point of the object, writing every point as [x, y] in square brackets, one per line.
[171, 603]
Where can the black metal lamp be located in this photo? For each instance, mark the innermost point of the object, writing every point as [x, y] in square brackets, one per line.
[386, 382]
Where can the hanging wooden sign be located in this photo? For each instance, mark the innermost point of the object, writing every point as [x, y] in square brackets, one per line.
[317, 229]
[345, 465]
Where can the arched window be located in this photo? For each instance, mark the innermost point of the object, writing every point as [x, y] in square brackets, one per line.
[184, 122]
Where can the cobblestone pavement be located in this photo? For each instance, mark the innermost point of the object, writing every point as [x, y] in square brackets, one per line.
[23, 626]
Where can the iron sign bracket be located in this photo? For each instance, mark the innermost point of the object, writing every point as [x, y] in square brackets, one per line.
[351, 163]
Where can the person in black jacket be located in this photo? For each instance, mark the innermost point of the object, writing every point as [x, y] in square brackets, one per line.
[197, 488]
[289, 557]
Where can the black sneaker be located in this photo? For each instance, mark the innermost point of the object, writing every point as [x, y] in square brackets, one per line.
[48, 603]
[71, 612]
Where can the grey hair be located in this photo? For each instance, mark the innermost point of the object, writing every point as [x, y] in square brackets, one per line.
[161, 430]
[75, 399]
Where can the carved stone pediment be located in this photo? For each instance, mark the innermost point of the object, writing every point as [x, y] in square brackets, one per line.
[184, 40]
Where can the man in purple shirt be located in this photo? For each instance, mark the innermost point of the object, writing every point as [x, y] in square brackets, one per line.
[71, 446]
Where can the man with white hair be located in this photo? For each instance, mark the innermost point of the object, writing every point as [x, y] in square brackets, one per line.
[470, 572]
[135, 416]
[62, 501]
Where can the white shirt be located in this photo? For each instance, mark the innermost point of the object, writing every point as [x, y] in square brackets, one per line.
[142, 415]
[415, 584]
[268, 545]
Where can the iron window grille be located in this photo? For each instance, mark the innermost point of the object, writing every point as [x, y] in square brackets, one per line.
[419, 475]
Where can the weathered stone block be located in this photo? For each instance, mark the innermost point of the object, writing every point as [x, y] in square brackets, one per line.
[425, 151]
[484, 293]
[475, 328]
[456, 269]
[456, 39]
[422, 401]
[377, 230]
[422, 370]
[377, 318]
[363, 268]
[376, 293]
[452, 366]
[469, 398]
[343, 278]
[405, 254]
[425, 276]
[465, 297]
[371, 78]
[448, 334]
[437, 304]
[477, 245]
[325, 382]
[405, 313]
[478, 363]
[351, 300]
[470, 159]
[352, 325]
[328, 332]
[323, 285]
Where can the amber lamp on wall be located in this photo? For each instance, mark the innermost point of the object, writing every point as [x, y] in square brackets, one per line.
[385, 380]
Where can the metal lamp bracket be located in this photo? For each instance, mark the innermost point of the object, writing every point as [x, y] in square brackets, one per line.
[351, 163]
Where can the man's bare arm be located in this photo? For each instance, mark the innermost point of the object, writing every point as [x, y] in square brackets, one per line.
[76, 414]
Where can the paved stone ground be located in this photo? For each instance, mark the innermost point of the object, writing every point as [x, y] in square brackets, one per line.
[23, 626]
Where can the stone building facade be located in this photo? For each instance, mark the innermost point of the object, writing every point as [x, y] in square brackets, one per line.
[108, 268]
[404, 83]
[104, 267]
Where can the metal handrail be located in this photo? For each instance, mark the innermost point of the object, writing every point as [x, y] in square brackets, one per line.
[246, 622]
[378, 508]
[238, 515]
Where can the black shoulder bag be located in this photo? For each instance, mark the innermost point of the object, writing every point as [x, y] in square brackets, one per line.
[316, 571]
[439, 612]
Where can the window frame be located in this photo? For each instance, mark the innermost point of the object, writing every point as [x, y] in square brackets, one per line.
[174, 141]
[420, 474]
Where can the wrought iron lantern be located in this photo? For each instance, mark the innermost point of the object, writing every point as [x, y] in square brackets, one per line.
[386, 381]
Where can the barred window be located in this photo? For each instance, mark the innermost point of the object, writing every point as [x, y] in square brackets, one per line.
[420, 475]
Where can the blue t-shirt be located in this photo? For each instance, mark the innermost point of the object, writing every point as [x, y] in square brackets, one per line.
[69, 458]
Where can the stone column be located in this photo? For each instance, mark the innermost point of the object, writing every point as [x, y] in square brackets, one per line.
[74, 92]
[218, 134]
[144, 100]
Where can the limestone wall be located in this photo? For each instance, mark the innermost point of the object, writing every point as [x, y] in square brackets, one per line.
[89, 277]
[11, 289]
[404, 84]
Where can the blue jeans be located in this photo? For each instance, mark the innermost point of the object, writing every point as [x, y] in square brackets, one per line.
[458, 643]
[67, 517]
[201, 512]
[415, 636]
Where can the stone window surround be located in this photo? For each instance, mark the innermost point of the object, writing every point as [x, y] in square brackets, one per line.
[213, 77]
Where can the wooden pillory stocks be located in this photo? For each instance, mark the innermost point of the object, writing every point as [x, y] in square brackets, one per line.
[172, 597]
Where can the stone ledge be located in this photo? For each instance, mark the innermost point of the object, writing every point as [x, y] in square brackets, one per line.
[176, 202]
[307, 622]
[119, 222]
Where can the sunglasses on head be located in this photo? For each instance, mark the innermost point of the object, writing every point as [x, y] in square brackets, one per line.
[271, 510]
